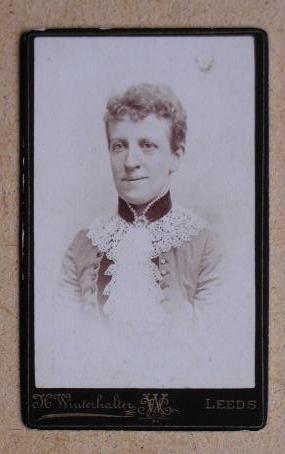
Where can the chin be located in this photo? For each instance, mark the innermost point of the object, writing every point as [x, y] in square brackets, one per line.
[137, 202]
[136, 199]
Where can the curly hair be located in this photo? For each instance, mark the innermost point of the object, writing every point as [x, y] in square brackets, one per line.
[141, 100]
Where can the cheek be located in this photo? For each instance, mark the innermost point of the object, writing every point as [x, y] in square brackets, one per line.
[160, 166]
[116, 164]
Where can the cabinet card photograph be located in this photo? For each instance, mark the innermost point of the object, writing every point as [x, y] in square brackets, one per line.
[144, 228]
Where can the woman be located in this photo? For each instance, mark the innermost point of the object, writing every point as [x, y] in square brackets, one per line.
[143, 273]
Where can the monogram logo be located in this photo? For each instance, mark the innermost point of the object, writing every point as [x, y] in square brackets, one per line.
[155, 406]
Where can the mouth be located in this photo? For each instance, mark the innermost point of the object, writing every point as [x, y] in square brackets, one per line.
[134, 178]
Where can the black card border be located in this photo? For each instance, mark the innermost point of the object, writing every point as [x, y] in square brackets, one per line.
[40, 406]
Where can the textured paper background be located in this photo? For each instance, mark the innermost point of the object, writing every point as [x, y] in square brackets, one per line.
[19, 16]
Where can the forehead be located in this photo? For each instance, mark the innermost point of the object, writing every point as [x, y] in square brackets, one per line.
[150, 126]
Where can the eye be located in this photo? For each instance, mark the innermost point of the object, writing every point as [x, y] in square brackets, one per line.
[148, 146]
[118, 146]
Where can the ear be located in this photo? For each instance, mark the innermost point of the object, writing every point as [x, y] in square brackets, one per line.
[177, 157]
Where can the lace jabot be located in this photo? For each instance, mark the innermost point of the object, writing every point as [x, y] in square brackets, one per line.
[131, 245]
[170, 231]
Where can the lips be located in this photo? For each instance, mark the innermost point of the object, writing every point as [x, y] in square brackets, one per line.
[133, 178]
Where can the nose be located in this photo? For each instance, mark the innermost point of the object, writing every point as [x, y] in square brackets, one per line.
[132, 160]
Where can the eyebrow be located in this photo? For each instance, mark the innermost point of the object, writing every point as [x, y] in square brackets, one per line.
[119, 139]
[147, 139]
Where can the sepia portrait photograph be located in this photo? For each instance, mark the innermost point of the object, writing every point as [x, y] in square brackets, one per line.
[144, 212]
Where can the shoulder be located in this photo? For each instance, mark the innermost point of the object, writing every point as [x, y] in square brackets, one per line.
[91, 237]
[199, 238]
[81, 242]
[188, 227]
[82, 250]
[206, 240]
[94, 241]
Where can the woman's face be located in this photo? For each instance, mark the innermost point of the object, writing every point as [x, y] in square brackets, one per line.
[141, 157]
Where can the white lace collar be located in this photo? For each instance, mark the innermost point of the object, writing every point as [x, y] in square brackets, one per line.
[170, 231]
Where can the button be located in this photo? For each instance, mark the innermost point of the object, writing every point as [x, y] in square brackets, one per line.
[164, 301]
[162, 261]
[163, 272]
[164, 285]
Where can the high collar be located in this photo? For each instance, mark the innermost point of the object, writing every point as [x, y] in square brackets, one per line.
[156, 211]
